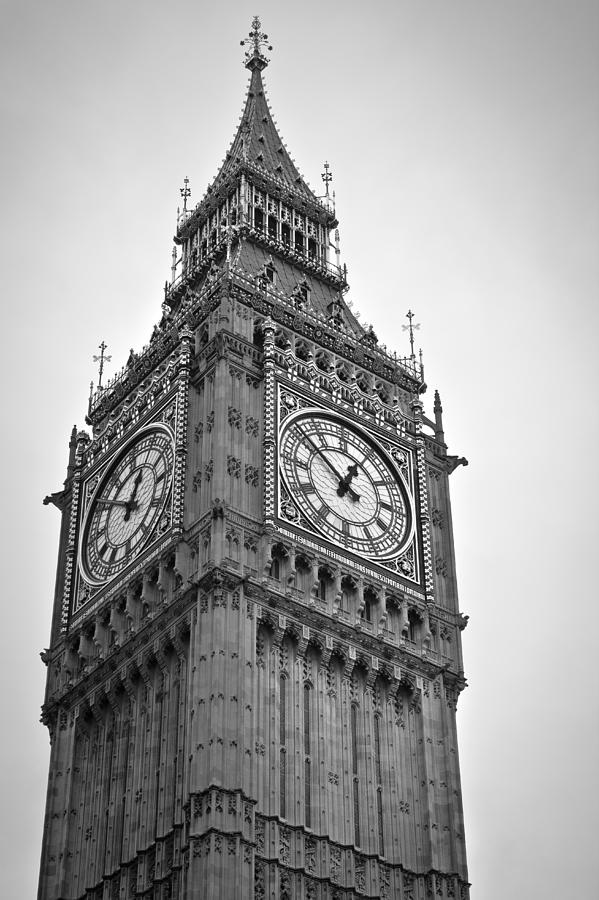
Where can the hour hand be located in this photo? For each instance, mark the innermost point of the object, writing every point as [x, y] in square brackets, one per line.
[349, 491]
[345, 482]
[124, 503]
[131, 504]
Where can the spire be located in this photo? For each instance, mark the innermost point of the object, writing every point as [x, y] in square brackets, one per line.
[254, 58]
[257, 140]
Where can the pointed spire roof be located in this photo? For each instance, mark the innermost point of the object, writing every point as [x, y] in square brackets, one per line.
[257, 140]
[257, 150]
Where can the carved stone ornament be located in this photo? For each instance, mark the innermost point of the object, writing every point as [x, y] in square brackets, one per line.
[169, 416]
[437, 518]
[289, 510]
[252, 426]
[84, 593]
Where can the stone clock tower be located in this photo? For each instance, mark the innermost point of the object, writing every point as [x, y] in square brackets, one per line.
[255, 653]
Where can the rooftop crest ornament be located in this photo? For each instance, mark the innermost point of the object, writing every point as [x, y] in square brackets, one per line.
[256, 40]
[185, 192]
[411, 328]
[327, 177]
[102, 358]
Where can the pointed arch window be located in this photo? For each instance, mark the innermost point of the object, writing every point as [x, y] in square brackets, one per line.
[414, 622]
[369, 604]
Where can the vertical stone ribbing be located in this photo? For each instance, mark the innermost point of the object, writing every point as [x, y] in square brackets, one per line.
[181, 441]
[283, 746]
[219, 755]
[269, 474]
[72, 533]
[308, 758]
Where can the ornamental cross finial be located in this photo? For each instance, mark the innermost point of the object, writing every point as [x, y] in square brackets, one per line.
[327, 177]
[185, 192]
[102, 358]
[256, 40]
[411, 328]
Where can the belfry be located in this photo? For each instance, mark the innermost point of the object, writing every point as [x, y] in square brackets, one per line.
[255, 652]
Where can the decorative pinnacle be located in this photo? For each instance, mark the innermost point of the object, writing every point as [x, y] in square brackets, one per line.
[411, 328]
[254, 57]
[185, 192]
[327, 177]
[102, 358]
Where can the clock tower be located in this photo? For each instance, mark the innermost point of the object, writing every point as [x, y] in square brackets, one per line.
[255, 653]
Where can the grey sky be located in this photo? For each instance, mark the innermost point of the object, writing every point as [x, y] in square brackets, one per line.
[463, 139]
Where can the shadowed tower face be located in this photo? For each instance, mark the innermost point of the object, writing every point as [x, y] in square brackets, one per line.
[255, 654]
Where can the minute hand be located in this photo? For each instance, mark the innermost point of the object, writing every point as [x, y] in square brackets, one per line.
[124, 503]
[339, 477]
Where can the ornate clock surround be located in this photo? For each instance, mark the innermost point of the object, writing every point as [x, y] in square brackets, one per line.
[87, 594]
[405, 564]
[142, 468]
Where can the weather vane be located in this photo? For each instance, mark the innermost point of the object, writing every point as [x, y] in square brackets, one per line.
[327, 177]
[185, 192]
[256, 40]
[102, 358]
[411, 328]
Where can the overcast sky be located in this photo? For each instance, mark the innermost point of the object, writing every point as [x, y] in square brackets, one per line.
[463, 140]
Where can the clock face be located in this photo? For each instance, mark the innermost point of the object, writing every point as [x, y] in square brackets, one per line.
[127, 504]
[344, 484]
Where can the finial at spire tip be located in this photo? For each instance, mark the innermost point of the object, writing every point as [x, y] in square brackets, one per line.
[256, 41]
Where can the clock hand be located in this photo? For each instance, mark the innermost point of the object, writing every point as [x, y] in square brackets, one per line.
[326, 459]
[113, 502]
[131, 504]
[343, 484]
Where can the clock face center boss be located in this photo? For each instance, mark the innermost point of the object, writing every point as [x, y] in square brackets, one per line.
[345, 484]
[127, 504]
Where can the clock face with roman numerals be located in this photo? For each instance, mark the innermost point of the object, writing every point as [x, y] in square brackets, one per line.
[344, 484]
[127, 504]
